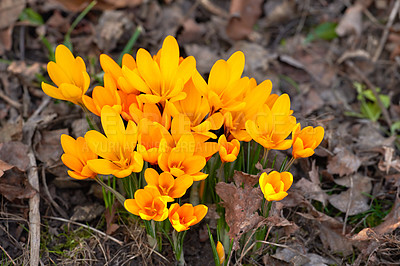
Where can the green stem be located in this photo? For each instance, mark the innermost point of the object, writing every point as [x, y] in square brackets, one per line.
[119, 197]
[288, 165]
[265, 158]
[67, 39]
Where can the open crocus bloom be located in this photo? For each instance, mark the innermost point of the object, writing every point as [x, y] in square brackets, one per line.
[182, 217]
[306, 140]
[76, 156]
[116, 148]
[228, 151]
[182, 161]
[163, 77]
[148, 204]
[225, 86]
[70, 76]
[167, 185]
[271, 127]
[274, 185]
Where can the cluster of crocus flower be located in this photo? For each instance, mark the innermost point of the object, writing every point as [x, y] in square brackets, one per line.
[159, 109]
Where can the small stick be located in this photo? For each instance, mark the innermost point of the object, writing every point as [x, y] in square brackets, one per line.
[87, 227]
[386, 31]
[372, 88]
[348, 206]
[46, 190]
[34, 214]
[9, 100]
[5, 252]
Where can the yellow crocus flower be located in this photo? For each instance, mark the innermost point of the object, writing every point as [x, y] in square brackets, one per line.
[116, 147]
[70, 76]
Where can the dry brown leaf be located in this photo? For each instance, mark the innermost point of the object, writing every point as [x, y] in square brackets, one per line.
[26, 73]
[392, 220]
[244, 14]
[311, 190]
[311, 102]
[9, 12]
[79, 5]
[47, 145]
[351, 22]
[354, 195]
[5, 40]
[332, 238]
[15, 153]
[245, 179]
[191, 32]
[112, 25]
[11, 131]
[14, 184]
[87, 213]
[4, 167]
[388, 163]
[241, 205]
[279, 10]
[205, 57]
[344, 162]
[110, 218]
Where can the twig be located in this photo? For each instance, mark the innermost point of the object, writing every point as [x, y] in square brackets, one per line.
[34, 214]
[87, 227]
[9, 100]
[348, 206]
[386, 31]
[372, 87]
[5, 252]
[46, 190]
[207, 4]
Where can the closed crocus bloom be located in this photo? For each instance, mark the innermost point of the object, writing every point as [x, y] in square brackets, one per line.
[148, 204]
[153, 140]
[271, 127]
[182, 217]
[76, 156]
[163, 77]
[274, 185]
[167, 185]
[102, 96]
[225, 86]
[116, 147]
[221, 252]
[228, 151]
[182, 161]
[306, 140]
[70, 76]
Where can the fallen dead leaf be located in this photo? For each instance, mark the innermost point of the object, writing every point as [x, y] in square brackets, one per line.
[295, 255]
[15, 153]
[351, 22]
[244, 179]
[344, 162]
[9, 12]
[355, 195]
[11, 131]
[192, 31]
[4, 167]
[278, 11]
[311, 190]
[110, 218]
[244, 14]
[392, 220]
[388, 163]
[112, 25]
[47, 145]
[24, 72]
[311, 102]
[87, 213]
[205, 57]
[241, 205]
[14, 184]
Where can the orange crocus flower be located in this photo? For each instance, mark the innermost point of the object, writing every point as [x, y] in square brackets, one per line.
[225, 87]
[182, 161]
[116, 148]
[182, 217]
[102, 96]
[153, 140]
[306, 140]
[115, 71]
[274, 185]
[70, 76]
[148, 204]
[221, 252]
[166, 184]
[76, 156]
[228, 151]
[271, 127]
